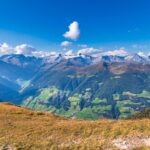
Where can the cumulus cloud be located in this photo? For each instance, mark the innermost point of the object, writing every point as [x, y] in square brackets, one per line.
[66, 43]
[28, 50]
[5, 49]
[25, 49]
[74, 31]
[20, 49]
[119, 52]
[89, 51]
[31, 51]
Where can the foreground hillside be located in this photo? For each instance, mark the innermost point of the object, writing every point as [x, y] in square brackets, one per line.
[21, 128]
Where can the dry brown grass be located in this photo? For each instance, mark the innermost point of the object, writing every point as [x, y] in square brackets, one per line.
[21, 128]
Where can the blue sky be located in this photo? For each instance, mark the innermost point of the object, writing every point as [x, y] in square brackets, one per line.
[107, 24]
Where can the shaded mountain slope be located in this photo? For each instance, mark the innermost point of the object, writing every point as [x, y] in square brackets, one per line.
[112, 90]
[78, 87]
[16, 72]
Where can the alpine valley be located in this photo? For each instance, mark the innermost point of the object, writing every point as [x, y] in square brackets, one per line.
[82, 86]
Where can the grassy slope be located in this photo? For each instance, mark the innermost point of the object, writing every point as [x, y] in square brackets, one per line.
[26, 129]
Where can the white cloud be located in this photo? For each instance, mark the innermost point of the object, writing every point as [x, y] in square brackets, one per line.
[73, 32]
[99, 52]
[5, 49]
[119, 52]
[89, 51]
[66, 43]
[31, 51]
[25, 49]
[43, 54]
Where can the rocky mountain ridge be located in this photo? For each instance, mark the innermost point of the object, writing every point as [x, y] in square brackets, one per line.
[77, 87]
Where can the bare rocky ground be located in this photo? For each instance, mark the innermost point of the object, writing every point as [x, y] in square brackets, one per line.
[6, 147]
[121, 144]
[131, 143]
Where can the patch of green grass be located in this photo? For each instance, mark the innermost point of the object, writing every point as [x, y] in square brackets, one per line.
[125, 108]
[123, 115]
[46, 93]
[87, 95]
[101, 109]
[126, 102]
[128, 93]
[40, 101]
[63, 113]
[144, 94]
[87, 113]
[98, 101]
[74, 100]
[116, 97]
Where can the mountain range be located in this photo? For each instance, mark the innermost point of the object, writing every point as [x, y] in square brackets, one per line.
[82, 86]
